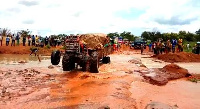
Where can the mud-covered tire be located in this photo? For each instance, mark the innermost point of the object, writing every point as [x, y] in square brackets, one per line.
[66, 63]
[94, 63]
[55, 57]
[85, 66]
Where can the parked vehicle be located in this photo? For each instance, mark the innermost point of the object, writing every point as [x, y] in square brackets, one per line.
[137, 43]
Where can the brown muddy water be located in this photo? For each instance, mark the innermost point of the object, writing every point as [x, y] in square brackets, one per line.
[23, 61]
[33, 85]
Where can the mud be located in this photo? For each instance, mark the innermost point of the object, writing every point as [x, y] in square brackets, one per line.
[119, 85]
[17, 83]
[178, 57]
[26, 50]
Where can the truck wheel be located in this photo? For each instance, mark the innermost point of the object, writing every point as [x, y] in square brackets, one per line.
[66, 63]
[55, 57]
[85, 66]
[94, 63]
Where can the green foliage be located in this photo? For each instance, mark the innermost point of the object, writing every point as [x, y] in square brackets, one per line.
[192, 44]
[194, 79]
[24, 33]
[48, 46]
[124, 35]
[112, 35]
[127, 35]
[186, 36]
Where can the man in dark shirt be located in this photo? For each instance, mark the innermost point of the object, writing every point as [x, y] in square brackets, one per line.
[46, 40]
[24, 41]
[33, 40]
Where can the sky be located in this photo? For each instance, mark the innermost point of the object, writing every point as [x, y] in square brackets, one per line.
[47, 17]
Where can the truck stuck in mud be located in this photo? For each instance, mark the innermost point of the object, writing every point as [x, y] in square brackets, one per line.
[85, 50]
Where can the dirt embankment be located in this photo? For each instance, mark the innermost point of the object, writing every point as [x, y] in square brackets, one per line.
[25, 50]
[17, 83]
[167, 73]
[178, 57]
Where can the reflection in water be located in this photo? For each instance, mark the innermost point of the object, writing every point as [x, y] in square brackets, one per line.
[25, 61]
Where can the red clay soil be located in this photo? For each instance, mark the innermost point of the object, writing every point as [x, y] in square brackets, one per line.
[25, 50]
[167, 73]
[178, 57]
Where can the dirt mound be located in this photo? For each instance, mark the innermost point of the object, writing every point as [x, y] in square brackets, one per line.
[167, 73]
[94, 41]
[175, 72]
[179, 57]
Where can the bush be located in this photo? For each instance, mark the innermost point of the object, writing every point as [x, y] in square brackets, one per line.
[48, 46]
[194, 79]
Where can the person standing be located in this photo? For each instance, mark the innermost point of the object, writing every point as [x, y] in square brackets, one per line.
[142, 48]
[7, 40]
[33, 40]
[46, 41]
[1, 39]
[188, 46]
[37, 40]
[174, 42]
[17, 38]
[13, 40]
[24, 40]
[29, 40]
[150, 47]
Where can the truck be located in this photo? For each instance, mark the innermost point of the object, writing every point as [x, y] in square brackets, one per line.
[86, 50]
[137, 43]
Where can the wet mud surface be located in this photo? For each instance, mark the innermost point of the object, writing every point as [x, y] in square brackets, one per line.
[119, 85]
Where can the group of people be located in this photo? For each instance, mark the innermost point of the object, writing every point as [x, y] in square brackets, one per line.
[33, 40]
[160, 46]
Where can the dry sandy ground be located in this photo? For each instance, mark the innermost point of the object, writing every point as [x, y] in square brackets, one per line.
[117, 86]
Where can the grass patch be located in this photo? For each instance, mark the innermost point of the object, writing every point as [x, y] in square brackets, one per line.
[185, 49]
[194, 79]
[48, 46]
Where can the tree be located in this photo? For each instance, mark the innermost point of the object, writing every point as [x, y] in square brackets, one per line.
[189, 37]
[127, 35]
[198, 32]
[112, 35]
[145, 35]
[197, 36]
[4, 31]
[182, 34]
[24, 33]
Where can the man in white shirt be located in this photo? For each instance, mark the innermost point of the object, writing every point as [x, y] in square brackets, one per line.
[188, 46]
[1, 39]
[13, 40]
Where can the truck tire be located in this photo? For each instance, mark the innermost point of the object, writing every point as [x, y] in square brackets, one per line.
[66, 63]
[94, 63]
[55, 57]
[85, 63]
[85, 66]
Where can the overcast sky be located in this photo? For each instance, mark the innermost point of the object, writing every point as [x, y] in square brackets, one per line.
[47, 17]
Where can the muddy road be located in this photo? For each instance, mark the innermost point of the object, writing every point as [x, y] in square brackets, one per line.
[119, 85]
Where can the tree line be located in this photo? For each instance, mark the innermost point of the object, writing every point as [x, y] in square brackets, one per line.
[186, 36]
[155, 35]
[148, 35]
